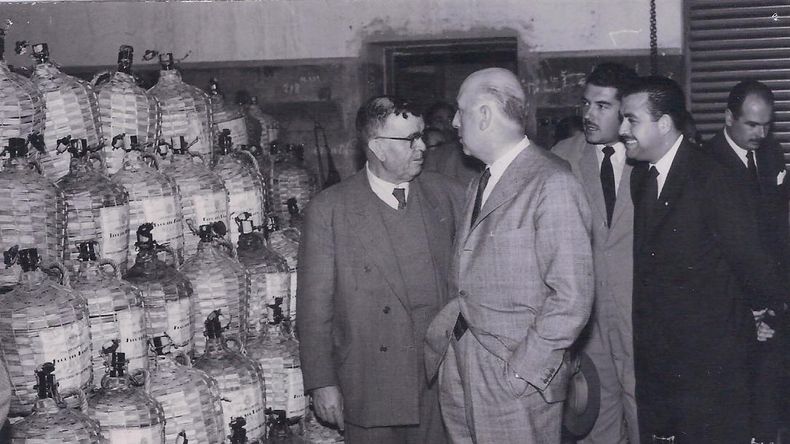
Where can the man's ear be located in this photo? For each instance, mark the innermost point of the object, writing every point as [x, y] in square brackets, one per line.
[665, 124]
[486, 115]
[376, 146]
[729, 118]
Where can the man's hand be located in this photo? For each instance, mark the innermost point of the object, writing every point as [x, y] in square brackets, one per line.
[764, 331]
[328, 404]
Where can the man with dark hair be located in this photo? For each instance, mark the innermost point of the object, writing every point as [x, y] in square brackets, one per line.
[598, 160]
[695, 251]
[373, 266]
[444, 155]
[521, 278]
[755, 164]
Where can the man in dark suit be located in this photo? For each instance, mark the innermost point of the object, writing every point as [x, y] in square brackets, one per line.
[755, 164]
[598, 160]
[373, 264]
[695, 250]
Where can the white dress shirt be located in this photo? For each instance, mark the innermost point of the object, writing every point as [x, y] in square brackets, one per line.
[617, 159]
[383, 189]
[497, 169]
[665, 163]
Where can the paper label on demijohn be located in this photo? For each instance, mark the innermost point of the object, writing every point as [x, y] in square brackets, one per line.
[161, 211]
[142, 435]
[246, 201]
[296, 404]
[210, 208]
[69, 348]
[114, 232]
[131, 329]
[179, 325]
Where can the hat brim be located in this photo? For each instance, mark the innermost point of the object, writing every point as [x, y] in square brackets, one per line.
[583, 402]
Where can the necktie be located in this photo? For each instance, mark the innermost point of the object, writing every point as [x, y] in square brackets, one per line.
[607, 183]
[751, 164]
[400, 194]
[649, 196]
[481, 187]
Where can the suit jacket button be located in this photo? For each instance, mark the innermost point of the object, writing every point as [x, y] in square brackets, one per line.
[383, 348]
[367, 269]
[386, 309]
[462, 293]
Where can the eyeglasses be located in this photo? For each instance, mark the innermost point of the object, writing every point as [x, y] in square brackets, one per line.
[411, 139]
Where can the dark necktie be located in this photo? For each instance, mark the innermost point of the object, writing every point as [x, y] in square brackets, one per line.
[751, 164]
[400, 194]
[607, 183]
[481, 187]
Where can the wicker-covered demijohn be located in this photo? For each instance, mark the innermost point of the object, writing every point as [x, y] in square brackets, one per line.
[204, 199]
[72, 112]
[32, 210]
[116, 311]
[290, 180]
[246, 191]
[285, 242]
[21, 103]
[153, 198]
[227, 116]
[127, 111]
[167, 294]
[219, 282]
[190, 399]
[240, 381]
[126, 413]
[185, 109]
[51, 421]
[97, 209]
[43, 321]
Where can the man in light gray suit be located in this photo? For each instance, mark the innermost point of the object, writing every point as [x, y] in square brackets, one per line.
[521, 278]
[598, 160]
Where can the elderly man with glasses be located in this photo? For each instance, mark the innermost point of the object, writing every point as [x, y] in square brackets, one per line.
[373, 269]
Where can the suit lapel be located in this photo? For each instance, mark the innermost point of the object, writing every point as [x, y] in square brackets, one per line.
[365, 218]
[673, 186]
[623, 194]
[591, 176]
[435, 228]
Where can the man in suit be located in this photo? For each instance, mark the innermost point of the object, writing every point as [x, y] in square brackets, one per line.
[373, 264]
[443, 155]
[755, 164]
[598, 160]
[695, 250]
[521, 278]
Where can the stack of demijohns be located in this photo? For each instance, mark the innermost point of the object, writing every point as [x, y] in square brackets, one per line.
[32, 211]
[126, 413]
[43, 321]
[115, 308]
[239, 173]
[227, 115]
[51, 421]
[290, 180]
[190, 399]
[153, 198]
[72, 113]
[185, 110]
[126, 111]
[97, 209]
[265, 127]
[219, 282]
[240, 380]
[285, 242]
[167, 294]
[269, 344]
[204, 199]
[21, 103]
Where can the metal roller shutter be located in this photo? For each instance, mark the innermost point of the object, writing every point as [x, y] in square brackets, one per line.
[731, 40]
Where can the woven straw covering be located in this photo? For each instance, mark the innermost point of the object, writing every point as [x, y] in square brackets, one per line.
[240, 381]
[52, 423]
[126, 413]
[270, 280]
[71, 110]
[125, 108]
[186, 112]
[219, 282]
[190, 399]
[32, 211]
[239, 174]
[314, 433]
[21, 106]
[97, 209]
[167, 300]
[116, 314]
[43, 321]
[278, 354]
[204, 199]
[153, 198]
[228, 115]
[266, 127]
[283, 242]
[291, 180]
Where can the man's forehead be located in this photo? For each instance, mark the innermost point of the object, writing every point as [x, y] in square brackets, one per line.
[596, 93]
[405, 120]
[635, 102]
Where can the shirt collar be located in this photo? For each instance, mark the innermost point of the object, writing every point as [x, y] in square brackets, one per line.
[500, 165]
[663, 164]
[383, 189]
[740, 152]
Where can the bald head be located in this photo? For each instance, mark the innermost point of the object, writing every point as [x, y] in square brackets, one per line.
[501, 86]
